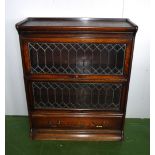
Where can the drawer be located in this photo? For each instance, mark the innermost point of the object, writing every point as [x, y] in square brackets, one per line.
[68, 122]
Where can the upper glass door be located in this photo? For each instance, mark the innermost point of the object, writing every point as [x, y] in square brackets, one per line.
[77, 58]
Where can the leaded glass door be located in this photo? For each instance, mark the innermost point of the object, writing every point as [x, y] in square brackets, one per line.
[77, 58]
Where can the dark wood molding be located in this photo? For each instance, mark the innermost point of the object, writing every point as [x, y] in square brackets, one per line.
[76, 24]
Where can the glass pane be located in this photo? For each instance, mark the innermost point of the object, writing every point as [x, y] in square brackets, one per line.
[99, 96]
[77, 58]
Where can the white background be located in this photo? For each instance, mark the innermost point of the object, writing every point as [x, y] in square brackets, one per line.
[137, 11]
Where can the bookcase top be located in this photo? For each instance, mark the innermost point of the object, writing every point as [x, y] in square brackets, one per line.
[77, 24]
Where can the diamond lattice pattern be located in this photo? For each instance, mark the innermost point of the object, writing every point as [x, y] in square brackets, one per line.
[57, 95]
[77, 58]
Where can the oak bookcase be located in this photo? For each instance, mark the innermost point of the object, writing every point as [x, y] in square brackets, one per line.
[76, 73]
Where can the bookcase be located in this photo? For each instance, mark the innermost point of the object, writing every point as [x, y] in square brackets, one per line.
[76, 73]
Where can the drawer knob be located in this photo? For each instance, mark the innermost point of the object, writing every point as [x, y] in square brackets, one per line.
[54, 124]
[99, 126]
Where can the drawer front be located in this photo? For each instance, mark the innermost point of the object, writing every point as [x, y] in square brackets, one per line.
[77, 58]
[82, 96]
[109, 123]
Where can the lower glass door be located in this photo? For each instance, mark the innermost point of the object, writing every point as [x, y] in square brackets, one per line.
[60, 95]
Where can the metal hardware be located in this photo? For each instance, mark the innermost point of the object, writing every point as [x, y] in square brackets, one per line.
[99, 126]
[54, 124]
